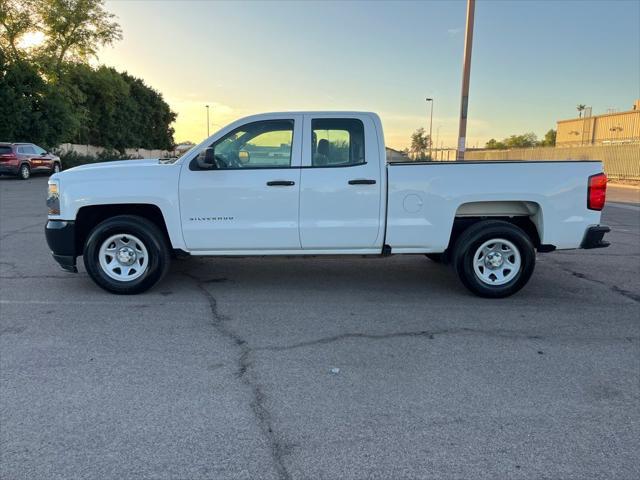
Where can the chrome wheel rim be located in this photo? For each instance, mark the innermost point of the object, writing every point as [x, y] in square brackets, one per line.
[56, 168]
[123, 257]
[24, 171]
[497, 262]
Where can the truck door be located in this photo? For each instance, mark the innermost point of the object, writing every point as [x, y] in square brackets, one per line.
[246, 196]
[340, 184]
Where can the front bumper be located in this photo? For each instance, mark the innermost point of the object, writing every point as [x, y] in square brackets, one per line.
[61, 238]
[593, 237]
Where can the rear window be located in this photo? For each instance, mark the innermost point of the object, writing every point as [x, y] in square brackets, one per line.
[4, 149]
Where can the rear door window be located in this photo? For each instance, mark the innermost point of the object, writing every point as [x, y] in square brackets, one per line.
[337, 142]
[4, 150]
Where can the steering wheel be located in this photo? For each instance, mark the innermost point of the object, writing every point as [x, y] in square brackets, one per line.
[227, 160]
[233, 161]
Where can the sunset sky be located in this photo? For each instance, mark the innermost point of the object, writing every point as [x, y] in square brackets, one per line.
[533, 61]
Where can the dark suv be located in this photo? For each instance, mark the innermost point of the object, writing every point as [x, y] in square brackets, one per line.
[23, 159]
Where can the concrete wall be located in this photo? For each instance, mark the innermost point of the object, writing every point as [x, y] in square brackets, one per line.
[620, 161]
[95, 151]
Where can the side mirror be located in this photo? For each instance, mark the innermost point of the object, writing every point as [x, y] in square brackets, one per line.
[244, 156]
[206, 159]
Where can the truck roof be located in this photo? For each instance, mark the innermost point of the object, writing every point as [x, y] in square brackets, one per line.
[314, 112]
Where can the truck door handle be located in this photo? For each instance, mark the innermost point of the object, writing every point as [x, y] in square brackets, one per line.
[280, 183]
[362, 182]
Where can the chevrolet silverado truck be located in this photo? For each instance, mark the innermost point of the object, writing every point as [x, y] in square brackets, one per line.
[318, 183]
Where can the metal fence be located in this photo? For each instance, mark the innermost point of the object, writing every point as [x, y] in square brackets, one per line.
[620, 161]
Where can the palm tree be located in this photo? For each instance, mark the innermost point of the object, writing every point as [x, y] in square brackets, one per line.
[580, 108]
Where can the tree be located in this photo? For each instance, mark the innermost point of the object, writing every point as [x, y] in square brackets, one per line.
[16, 19]
[549, 139]
[494, 144]
[50, 95]
[31, 109]
[420, 143]
[118, 110]
[75, 29]
[580, 108]
[525, 140]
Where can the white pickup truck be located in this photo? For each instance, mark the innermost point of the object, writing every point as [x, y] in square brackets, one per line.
[317, 183]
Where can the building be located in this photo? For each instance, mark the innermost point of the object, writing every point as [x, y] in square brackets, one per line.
[396, 156]
[608, 128]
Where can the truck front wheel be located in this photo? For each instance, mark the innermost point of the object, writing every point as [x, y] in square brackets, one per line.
[494, 258]
[126, 254]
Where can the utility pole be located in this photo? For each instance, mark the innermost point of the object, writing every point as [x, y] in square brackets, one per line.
[430, 128]
[437, 135]
[466, 71]
[207, 106]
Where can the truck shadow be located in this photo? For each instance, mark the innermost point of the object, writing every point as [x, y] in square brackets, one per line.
[401, 274]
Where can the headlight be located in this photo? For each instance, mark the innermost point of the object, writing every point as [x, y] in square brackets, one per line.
[53, 199]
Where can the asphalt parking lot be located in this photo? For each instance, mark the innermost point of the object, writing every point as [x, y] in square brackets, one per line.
[317, 368]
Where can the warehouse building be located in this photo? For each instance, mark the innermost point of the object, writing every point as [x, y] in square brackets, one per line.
[608, 128]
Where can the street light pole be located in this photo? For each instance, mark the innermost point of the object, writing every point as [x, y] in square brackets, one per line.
[430, 128]
[207, 120]
[466, 72]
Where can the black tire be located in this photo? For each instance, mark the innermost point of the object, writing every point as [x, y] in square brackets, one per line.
[438, 257]
[153, 240]
[24, 172]
[470, 242]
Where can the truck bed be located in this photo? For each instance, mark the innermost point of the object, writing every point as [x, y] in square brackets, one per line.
[425, 198]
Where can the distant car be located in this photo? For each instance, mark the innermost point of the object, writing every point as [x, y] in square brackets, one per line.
[23, 159]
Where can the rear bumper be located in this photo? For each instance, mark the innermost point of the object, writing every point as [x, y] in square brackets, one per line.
[593, 237]
[61, 238]
[8, 169]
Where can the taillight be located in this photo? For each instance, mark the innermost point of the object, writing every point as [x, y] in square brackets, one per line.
[597, 191]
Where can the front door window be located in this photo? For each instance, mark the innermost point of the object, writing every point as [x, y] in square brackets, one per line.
[265, 144]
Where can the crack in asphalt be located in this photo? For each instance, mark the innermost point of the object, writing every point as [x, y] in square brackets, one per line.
[369, 336]
[430, 334]
[20, 230]
[614, 288]
[260, 411]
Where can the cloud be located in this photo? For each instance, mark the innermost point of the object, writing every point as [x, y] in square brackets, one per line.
[452, 32]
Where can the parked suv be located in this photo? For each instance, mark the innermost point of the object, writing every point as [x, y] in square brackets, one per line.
[23, 159]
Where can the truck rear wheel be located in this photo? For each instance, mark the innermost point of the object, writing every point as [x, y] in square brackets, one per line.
[126, 254]
[494, 258]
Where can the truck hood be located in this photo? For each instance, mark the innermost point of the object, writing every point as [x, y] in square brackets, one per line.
[116, 163]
